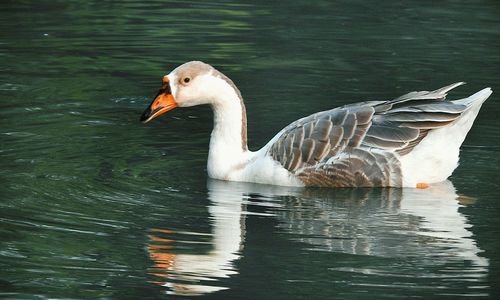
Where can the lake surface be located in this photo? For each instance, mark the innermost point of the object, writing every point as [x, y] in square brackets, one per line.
[96, 205]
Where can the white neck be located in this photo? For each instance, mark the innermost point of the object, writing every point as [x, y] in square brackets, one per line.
[228, 145]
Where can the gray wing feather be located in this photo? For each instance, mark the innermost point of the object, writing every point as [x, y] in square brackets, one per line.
[322, 130]
[425, 125]
[307, 149]
[358, 144]
[385, 144]
[441, 107]
[418, 117]
[336, 135]
[439, 94]
[361, 168]
[391, 131]
[320, 136]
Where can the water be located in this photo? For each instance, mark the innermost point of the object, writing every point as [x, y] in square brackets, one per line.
[95, 205]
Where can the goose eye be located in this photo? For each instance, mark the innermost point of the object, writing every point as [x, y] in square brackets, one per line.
[186, 80]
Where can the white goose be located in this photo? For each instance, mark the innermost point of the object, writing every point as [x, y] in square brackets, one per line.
[411, 141]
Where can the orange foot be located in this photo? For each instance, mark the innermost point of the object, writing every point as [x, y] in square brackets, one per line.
[422, 185]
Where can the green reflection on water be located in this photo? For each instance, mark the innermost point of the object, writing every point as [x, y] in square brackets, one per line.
[84, 183]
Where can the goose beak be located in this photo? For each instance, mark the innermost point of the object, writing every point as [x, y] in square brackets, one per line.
[163, 102]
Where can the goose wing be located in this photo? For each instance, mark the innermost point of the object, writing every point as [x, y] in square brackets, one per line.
[358, 144]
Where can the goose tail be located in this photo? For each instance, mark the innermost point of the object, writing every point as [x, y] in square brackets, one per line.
[436, 157]
[475, 99]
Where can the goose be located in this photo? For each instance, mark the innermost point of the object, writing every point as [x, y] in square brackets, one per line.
[410, 141]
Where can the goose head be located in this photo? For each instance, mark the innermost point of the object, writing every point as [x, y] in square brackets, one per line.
[190, 84]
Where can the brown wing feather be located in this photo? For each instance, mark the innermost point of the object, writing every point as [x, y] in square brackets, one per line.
[359, 144]
[321, 136]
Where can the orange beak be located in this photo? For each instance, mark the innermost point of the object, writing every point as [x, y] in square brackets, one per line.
[163, 102]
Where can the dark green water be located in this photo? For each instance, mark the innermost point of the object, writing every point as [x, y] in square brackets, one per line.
[95, 205]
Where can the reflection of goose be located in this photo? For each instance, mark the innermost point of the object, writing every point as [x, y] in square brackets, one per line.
[410, 141]
[387, 223]
[442, 220]
[185, 271]
[393, 223]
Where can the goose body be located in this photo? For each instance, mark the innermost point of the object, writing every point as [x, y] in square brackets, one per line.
[410, 141]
